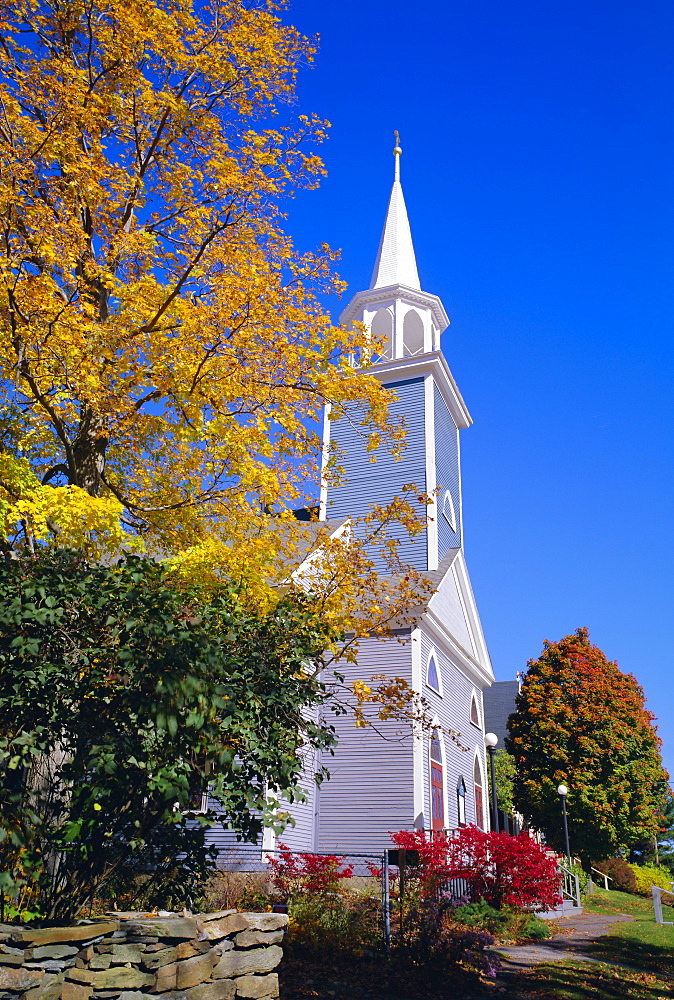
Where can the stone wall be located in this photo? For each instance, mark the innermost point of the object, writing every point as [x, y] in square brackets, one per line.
[133, 956]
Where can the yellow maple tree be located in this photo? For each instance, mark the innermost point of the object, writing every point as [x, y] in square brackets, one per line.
[161, 340]
[165, 357]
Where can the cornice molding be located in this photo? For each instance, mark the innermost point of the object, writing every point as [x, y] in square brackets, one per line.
[413, 296]
[420, 366]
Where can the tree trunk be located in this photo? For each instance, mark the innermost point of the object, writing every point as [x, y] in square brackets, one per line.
[89, 451]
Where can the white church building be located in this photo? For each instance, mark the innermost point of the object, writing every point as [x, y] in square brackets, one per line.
[429, 782]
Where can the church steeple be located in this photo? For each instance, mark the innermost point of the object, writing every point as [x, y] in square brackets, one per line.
[405, 324]
[396, 263]
[404, 320]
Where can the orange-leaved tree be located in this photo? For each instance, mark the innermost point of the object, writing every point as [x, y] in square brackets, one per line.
[580, 721]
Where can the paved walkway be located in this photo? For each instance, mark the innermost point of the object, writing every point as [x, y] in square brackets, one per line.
[576, 934]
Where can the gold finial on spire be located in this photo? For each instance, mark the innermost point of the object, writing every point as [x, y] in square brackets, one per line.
[397, 152]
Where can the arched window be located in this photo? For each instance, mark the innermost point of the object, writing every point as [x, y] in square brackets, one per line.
[433, 675]
[479, 798]
[382, 332]
[437, 784]
[448, 511]
[413, 333]
[461, 800]
[474, 713]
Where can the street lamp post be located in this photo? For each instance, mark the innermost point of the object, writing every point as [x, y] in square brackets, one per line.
[491, 740]
[563, 791]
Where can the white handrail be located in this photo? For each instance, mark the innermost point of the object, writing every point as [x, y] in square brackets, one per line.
[606, 878]
[570, 885]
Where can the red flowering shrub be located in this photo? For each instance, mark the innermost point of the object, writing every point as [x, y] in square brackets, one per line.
[307, 874]
[501, 869]
[434, 868]
[505, 870]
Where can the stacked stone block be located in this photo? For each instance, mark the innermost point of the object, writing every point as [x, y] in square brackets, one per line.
[132, 956]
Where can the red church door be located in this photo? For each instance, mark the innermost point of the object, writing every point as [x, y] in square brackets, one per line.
[437, 791]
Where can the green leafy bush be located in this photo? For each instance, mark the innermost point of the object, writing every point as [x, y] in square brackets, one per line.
[334, 923]
[647, 875]
[122, 696]
[482, 915]
[535, 929]
[506, 924]
[583, 877]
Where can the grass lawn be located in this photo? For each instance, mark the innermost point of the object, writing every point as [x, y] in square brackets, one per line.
[640, 943]
[590, 981]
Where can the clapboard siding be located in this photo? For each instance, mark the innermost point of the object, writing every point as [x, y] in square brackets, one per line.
[219, 835]
[300, 837]
[453, 712]
[447, 472]
[371, 787]
[366, 482]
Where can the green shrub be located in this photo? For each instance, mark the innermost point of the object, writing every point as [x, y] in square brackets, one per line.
[507, 923]
[647, 875]
[535, 929]
[583, 877]
[620, 872]
[480, 915]
[114, 680]
[334, 923]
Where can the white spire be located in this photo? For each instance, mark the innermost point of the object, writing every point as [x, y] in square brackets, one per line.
[396, 263]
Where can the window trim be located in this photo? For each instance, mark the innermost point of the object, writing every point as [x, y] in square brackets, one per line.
[442, 763]
[448, 500]
[433, 657]
[461, 798]
[474, 701]
[477, 767]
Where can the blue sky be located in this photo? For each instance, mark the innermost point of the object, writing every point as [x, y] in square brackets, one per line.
[538, 171]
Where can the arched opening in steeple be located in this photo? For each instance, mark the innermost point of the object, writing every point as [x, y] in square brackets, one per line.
[382, 333]
[413, 333]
